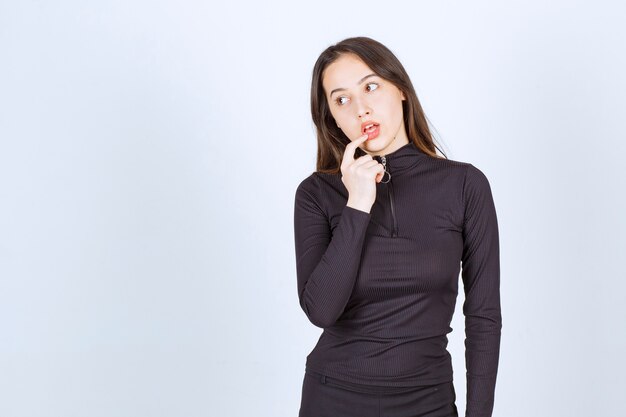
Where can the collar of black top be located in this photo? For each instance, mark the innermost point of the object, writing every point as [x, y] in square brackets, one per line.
[406, 156]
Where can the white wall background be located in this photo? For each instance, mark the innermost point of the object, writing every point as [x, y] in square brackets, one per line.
[149, 155]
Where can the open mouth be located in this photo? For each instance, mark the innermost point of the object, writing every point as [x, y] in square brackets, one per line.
[372, 131]
[370, 127]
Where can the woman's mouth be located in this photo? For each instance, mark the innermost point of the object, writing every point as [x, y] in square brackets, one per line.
[372, 130]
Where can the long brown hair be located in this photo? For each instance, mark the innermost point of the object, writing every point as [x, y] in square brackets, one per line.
[331, 141]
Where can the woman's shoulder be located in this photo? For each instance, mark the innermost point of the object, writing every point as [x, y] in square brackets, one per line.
[445, 168]
[464, 176]
[307, 185]
[471, 179]
[317, 180]
[312, 183]
[443, 162]
[462, 168]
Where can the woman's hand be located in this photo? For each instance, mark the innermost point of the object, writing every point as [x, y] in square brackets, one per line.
[360, 176]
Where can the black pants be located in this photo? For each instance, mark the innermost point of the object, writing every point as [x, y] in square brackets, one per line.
[323, 396]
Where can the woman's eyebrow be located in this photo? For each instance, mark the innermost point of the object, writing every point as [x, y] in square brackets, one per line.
[360, 81]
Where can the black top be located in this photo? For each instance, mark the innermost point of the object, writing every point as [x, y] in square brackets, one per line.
[383, 285]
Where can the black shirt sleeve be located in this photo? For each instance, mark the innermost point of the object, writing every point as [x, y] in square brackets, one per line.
[481, 280]
[327, 262]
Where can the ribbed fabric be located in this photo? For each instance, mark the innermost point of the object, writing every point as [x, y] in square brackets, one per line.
[383, 285]
[324, 396]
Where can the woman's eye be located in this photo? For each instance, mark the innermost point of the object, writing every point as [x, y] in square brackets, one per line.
[339, 101]
[373, 84]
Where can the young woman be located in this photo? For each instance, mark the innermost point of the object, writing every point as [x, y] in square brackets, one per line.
[381, 230]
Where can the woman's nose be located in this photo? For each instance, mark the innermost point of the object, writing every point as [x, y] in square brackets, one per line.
[363, 111]
[362, 107]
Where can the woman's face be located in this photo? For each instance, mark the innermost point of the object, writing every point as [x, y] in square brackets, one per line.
[356, 95]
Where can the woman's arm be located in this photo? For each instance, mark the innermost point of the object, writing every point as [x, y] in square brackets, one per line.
[481, 280]
[327, 264]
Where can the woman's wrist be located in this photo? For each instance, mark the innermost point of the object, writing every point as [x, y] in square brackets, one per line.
[359, 205]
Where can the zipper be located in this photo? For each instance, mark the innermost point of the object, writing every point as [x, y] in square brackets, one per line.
[394, 230]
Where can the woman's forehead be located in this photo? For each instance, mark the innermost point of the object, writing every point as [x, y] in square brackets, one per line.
[345, 73]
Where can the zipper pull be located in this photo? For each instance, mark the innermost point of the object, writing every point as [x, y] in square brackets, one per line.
[384, 162]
